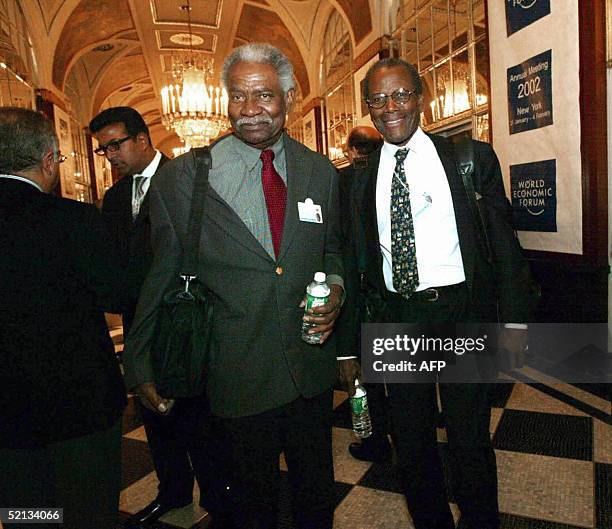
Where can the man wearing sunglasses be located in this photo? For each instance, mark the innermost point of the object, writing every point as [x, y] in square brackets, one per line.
[425, 258]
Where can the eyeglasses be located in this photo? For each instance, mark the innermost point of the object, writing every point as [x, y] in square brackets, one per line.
[111, 146]
[400, 97]
[61, 158]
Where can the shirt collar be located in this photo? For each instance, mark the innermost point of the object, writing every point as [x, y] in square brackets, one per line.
[22, 179]
[415, 143]
[150, 169]
[251, 155]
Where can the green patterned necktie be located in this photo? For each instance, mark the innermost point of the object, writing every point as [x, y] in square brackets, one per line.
[403, 249]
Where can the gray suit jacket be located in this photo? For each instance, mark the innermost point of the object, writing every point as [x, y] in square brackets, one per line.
[258, 360]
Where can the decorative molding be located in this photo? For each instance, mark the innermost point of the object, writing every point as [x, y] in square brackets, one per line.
[593, 129]
[50, 96]
[215, 25]
[367, 54]
[313, 103]
[43, 12]
[209, 45]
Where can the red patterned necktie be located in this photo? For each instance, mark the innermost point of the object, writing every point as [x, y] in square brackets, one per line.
[275, 193]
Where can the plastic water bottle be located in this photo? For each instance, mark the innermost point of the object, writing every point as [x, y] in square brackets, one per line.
[317, 294]
[362, 424]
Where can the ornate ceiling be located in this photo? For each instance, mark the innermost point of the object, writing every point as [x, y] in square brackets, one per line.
[115, 52]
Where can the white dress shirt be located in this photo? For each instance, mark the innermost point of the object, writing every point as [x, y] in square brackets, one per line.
[438, 254]
[147, 173]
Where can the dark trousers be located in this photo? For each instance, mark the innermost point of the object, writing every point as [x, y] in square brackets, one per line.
[378, 402]
[302, 430]
[466, 408]
[185, 442]
[378, 406]
[80, 475]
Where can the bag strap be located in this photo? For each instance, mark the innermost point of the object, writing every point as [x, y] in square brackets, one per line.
[464, 156]
[189, 263]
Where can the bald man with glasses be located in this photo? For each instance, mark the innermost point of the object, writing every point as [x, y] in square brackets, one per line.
[62, 393]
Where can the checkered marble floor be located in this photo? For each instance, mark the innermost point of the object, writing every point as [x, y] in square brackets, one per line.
[554, 455]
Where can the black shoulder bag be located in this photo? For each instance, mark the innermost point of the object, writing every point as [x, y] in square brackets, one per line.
[182, 339]
[464, 155]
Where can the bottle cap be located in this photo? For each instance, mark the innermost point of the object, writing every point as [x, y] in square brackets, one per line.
[356, 382]
[320, 277]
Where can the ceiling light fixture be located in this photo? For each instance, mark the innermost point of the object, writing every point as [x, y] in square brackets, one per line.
[195, 110]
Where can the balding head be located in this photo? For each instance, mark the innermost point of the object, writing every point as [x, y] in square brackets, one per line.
[362, 141]
[29, 147]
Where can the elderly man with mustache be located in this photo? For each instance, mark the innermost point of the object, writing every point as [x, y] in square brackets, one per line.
[270, 222]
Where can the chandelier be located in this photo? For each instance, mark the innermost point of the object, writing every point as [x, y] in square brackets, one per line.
[197, 112]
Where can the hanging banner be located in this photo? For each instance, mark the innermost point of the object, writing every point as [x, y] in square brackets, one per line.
[530, 103]
[534, 195]
[521, 13]
[535, 118]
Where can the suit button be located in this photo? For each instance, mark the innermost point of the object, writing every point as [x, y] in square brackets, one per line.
[279, 270]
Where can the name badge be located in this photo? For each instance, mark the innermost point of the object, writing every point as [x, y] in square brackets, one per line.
[310, 212]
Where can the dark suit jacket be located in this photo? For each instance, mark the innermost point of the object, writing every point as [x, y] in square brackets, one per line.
[258, 359]
[58, 372]
[351, 186]
[132, 239]
[351, 183]
[507, 281]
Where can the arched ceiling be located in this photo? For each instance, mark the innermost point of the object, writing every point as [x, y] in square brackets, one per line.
[359, 16]
[92, 22]
[123, 48]
[262, 25]
[126, 71]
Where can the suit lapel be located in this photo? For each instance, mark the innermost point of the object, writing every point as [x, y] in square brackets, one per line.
[465, 228]
[370, 216]
[299, 172]
[126, 202]
[217, 210]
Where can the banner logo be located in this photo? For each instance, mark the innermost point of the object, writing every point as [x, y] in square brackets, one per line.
[525, 4]
[534, 195]
[522, 13]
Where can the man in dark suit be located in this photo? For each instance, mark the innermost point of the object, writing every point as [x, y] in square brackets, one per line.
[362, 141]
[261, 244]
[426, 259]
[62, 393]
[174, 438]
[123, 137]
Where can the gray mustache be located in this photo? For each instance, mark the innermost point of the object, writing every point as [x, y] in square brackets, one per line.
[253, 121]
